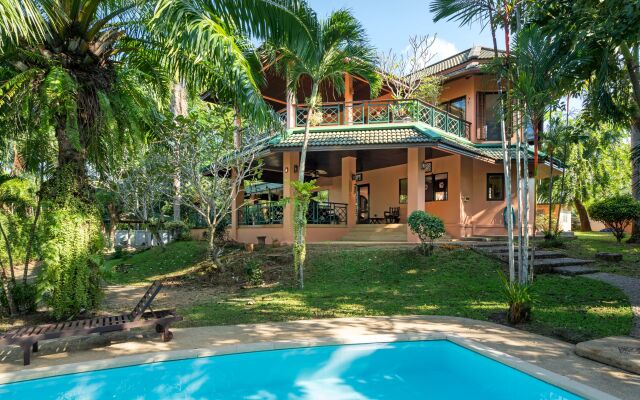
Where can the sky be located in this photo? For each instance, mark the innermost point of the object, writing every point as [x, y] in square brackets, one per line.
[390, 23]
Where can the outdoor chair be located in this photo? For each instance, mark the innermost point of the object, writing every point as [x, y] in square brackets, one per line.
[392, 216]
[28, 337]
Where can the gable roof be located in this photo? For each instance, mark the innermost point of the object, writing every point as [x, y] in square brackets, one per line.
[457, 63]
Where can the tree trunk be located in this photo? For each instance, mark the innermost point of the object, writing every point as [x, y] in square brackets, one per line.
[32, 236]
[71, 163]
[299, 228]
[506, 153]
[585, 224]
[6, 288]
[551, 191]
[7, 246]
[631, 61]
[178, 108]
[113, 221]
[635, 175]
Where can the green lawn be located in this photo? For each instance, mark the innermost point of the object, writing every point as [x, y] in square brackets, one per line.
[366, 282]
[588, 244]
[155, 263]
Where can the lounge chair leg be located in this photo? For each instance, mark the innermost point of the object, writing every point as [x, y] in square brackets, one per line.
[35, 347]
[26, 353]
[167, 335]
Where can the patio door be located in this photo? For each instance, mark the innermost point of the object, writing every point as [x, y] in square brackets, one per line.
[362, 196]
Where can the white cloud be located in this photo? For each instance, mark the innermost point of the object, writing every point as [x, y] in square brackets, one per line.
[442, 49]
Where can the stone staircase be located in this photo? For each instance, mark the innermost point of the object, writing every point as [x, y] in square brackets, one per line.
[377, 233]
[546, 261]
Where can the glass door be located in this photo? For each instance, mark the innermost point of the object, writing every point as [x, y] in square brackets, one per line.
[362, 196]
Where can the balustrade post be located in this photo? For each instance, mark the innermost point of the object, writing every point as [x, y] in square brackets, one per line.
[291, 109]
[348, 99]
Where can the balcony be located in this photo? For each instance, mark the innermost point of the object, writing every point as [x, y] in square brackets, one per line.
[372, 112]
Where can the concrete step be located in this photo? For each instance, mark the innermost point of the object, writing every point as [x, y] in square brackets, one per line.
[474, 244]
[540, 255]
[573, 270]
[549, 265]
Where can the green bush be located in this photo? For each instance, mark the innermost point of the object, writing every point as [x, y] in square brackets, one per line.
[427, 227]
[179, 230]
[24, 296]
[254, 272]
[616, 213]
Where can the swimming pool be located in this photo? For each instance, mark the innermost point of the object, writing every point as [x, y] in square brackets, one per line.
[433, 369]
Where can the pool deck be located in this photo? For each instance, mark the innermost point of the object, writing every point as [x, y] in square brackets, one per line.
[99, 352]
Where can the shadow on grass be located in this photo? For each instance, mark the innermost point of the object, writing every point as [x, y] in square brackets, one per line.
[374, 282]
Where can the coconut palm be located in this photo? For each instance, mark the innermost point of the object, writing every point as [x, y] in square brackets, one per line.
[84, 69]
[334, 47]
[485, 12]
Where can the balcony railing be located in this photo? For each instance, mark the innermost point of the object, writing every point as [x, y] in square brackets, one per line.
[270, 213]
[370, 112]
[327, 213]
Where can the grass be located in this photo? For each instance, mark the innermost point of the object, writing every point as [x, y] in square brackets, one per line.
[370, 282]
[588, 244]
[155, 263]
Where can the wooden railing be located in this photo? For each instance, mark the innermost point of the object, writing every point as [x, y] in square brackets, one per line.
[370, 112]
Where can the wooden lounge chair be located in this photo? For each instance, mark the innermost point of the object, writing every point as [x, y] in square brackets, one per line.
[28, 337]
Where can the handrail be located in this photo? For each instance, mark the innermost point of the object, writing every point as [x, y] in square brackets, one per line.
[370, 112]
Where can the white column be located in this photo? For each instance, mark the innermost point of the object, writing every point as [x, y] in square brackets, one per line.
[291, 109]
[290, 161]
[347, 189]
[348, 99]
[415, 185]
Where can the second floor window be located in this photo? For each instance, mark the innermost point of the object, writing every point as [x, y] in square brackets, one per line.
[488, 117]
[457, 107]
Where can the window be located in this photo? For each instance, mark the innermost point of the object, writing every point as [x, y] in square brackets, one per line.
[488, 118]
[436, 187]
[457, 107]
[322, 196]
[403, 191]
[495, 187]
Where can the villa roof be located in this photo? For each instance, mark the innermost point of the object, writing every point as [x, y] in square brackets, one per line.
[380, 136]
[466, 60]
[388, 136]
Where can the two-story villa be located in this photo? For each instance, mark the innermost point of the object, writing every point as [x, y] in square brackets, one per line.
[377, 160]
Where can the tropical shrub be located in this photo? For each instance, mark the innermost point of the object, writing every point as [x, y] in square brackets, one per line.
[518, 296]
[178, 229]
[25, 298]
[616, 213]
[70, 278]
[253, 272]
[427, 227]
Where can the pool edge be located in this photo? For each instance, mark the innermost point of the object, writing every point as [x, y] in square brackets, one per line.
[535, 371]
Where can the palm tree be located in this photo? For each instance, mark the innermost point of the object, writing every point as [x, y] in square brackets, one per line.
[334, 47]
[485, 12]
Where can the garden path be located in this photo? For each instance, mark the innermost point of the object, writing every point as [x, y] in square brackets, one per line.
[631, 287]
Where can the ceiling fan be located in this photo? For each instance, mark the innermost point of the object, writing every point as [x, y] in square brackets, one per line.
[316, 173]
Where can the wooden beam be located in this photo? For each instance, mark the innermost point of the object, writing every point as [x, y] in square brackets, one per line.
[274, 100]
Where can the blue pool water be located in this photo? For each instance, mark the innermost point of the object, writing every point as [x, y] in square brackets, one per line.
[403, 370]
